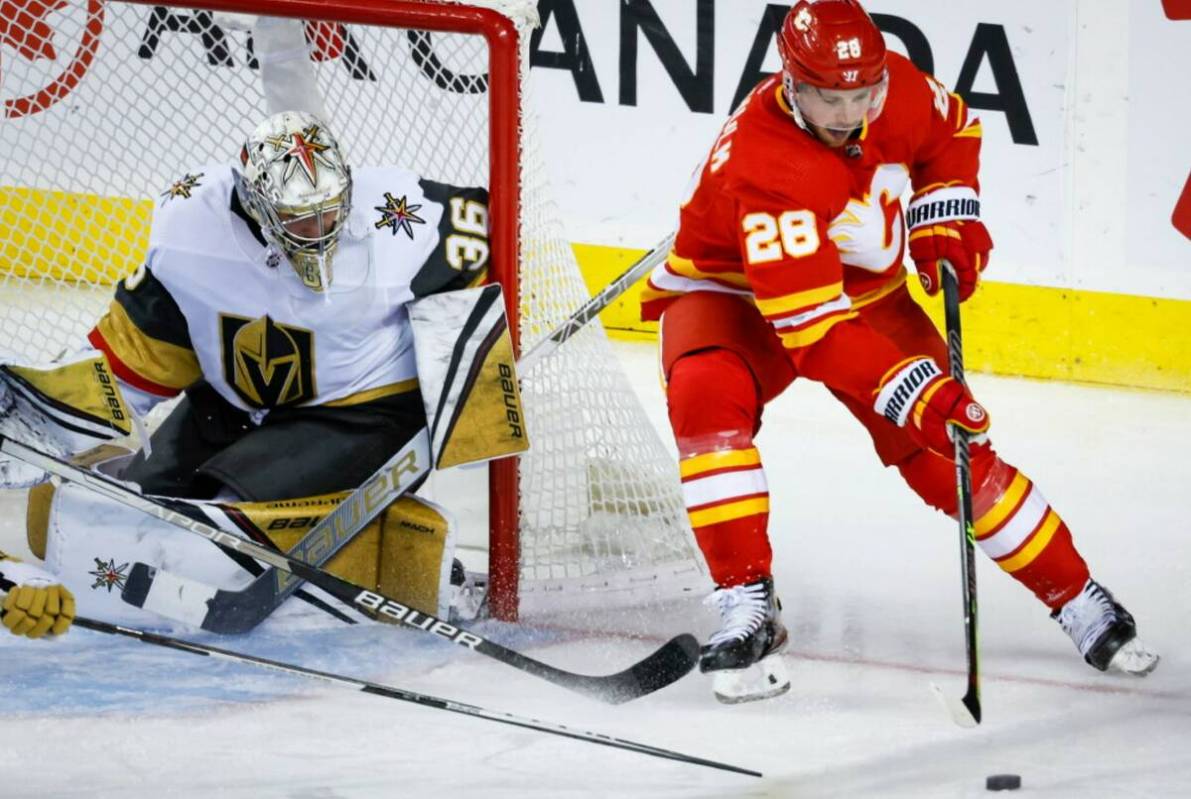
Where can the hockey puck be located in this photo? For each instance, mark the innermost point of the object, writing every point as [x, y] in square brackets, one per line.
[1003, 782]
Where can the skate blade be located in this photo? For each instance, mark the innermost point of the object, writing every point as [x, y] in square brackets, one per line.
[1134, 659]
[762, 680]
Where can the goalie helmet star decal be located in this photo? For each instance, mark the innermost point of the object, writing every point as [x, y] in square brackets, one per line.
[301, 149]
[398, 214]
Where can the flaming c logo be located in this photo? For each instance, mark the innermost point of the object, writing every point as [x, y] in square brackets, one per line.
[24, 29]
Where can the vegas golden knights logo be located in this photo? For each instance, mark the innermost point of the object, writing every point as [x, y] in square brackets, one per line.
[266, 363]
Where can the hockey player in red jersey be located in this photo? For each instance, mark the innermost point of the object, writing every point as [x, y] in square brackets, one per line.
[788, 263]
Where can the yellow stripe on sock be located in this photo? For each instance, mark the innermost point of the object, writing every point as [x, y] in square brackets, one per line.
[1036, 545]
[729, 511]
[723, 459]
[1008, 502]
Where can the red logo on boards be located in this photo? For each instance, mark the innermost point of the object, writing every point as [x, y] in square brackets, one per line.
[27, 27]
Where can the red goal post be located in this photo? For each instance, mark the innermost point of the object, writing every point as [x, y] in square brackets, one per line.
[593, 513]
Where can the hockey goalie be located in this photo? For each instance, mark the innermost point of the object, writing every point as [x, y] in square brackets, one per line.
[273, 307]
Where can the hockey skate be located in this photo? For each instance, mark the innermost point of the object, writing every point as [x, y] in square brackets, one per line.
[738, 655]
[1104, 632]
[469, 594]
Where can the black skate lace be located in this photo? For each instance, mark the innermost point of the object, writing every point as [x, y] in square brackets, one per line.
[1077, 617]
[742, 611]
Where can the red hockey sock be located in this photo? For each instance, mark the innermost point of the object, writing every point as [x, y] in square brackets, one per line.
[714, 412]
[1015, 525]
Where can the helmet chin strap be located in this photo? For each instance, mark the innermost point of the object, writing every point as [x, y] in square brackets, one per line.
[791, 105]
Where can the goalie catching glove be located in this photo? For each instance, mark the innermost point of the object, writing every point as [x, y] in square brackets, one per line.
[945, 226]
[917, 395]
[37, 604]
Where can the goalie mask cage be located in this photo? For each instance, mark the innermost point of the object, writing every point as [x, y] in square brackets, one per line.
[108, 104]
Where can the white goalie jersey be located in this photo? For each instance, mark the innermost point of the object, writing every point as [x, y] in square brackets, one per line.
[215, 301]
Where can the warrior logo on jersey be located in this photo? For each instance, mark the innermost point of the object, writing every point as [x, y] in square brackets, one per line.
[398, 215]
[108, 575]
[267, 364]
[182, 187]
[301, 150]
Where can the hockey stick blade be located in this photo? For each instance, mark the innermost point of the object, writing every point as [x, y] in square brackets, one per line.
[964, 712]
[390, 692]
[669, 663]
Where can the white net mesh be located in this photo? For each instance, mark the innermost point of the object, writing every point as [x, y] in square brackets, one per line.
[107, 103]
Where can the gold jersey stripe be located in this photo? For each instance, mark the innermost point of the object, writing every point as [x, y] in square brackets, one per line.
[152, 359]
[724, 459]
[368, 395]
[809, 335]
[729, 511]
[685, 267]
[869, 297]
[799, 300]
[973, 131]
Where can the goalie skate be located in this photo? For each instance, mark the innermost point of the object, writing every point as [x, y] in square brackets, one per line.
[738, 656]
[1104, 632]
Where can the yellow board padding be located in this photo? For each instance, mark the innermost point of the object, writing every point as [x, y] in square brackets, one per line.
[1009, 329]
[84, 238]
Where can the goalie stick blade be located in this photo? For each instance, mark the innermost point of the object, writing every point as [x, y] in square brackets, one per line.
[391, 692]
[200, 605]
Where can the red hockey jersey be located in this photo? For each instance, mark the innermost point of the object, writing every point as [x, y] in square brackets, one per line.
[811, 232]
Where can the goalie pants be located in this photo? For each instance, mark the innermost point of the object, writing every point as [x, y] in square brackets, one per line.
[206, 444]
[723, 363]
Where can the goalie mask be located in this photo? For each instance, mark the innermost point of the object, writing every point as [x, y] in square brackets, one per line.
[299, 190]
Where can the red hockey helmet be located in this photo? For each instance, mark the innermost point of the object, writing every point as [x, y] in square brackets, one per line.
[831, 44]
[833, 67]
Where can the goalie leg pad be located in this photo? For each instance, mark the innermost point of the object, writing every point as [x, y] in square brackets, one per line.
[417, 553]
[91, 543]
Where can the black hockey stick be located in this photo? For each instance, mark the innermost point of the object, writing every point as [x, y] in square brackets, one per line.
[667, 664]
[965, 712]
[425, 700]
[238, 611]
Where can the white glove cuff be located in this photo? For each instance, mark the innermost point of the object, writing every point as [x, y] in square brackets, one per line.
[943, 205]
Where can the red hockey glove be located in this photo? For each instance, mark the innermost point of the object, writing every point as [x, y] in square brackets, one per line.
[918, 393]
[945, 224]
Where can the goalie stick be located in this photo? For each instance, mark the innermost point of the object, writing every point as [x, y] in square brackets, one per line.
[673, 660]
[966, 711]
[390, 692]
[238, 611]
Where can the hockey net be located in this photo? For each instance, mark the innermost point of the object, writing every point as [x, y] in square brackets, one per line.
[108, 104]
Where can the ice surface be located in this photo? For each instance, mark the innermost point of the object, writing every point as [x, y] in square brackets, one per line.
[870, 582]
